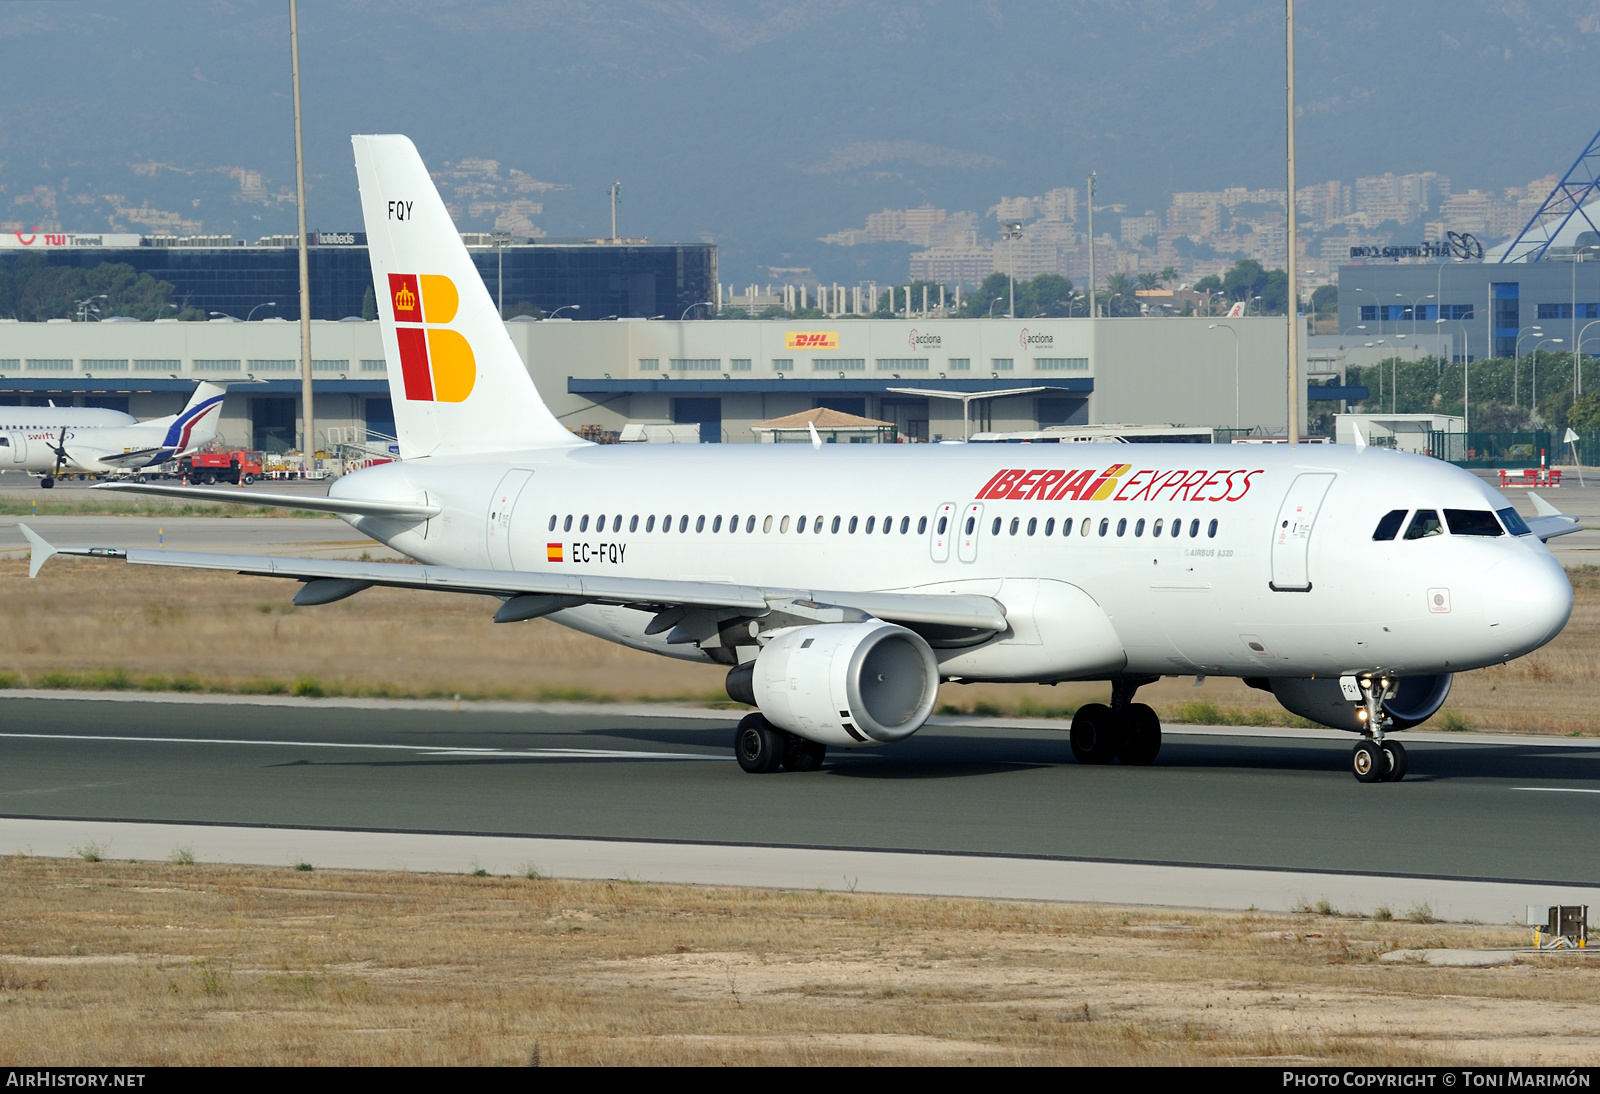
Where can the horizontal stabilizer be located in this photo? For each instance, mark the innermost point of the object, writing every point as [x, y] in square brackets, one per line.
[312, 503]
[137, 457]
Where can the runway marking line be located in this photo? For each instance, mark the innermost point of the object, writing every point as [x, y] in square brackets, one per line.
[1557, 789]
[426, 750]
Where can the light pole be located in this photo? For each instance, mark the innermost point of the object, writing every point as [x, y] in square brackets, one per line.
[574, 307]
[1012, 231]
[1359, 326]
[1374, 345]
[1092, 306]
[1414, 300]
[992, 303]
[1235, 334]
[251, 314]
[1438, 325]
[1533, 401]
[1577, 350]
[1378, 309]
[87, 305]
[1516, 362]
[1394, 376]
[500, 241]
[686, 311]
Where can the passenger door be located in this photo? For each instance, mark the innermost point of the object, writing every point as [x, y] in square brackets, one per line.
[971, 528]
[501, 505]
[943, 529]
[1291, 535]
[19, 447]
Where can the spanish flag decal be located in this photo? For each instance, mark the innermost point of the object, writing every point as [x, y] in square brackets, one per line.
[553, 553]
[436, 362]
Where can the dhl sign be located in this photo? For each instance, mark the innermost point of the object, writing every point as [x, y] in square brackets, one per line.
[811, 339]
[436, 363]
[1119, 482]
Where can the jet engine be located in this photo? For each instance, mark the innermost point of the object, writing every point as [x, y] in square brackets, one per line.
[842, 683]
[1323, 700]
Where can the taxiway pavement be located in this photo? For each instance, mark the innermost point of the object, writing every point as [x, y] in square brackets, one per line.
[1224, 818]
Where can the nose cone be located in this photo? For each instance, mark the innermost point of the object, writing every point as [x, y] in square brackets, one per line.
[1528, 599]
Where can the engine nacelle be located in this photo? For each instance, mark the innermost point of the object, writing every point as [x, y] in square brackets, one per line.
[1322, 700]
[843, 683]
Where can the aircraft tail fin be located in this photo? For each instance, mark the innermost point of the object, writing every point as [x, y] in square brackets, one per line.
[193, 426]
[455, 378]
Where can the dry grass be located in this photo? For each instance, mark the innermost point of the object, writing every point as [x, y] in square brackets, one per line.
[219, 632]
[147, 964]
[82, 503]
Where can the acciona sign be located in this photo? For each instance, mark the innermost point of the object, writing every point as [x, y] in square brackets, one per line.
[1459, 245]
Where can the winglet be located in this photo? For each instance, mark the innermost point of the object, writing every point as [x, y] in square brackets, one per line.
[1544, 508]
[1361, 442]
[40, 552]
[816, 441]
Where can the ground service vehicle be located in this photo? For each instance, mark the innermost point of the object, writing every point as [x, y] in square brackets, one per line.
[205, 468]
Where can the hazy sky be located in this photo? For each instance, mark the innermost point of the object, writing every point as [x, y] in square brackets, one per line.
[763, 125]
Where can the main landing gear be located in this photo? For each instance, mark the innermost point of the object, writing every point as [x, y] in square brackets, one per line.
[1125, 730]
[1376, 758]
[763, 748]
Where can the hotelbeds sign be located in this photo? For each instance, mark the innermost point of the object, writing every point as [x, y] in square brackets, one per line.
[35, 239]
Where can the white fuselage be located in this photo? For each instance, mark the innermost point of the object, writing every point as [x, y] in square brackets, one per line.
[1247, 587]
[29, 434]
[96, 441]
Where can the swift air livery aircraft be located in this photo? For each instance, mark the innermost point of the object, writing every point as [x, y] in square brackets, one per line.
[50, 440]
[841, 584]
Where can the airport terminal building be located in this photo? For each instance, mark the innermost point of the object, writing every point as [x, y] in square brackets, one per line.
[594, 279]
[720, 376]
[1483, 309]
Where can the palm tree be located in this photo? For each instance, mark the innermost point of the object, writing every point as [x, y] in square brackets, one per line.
[1148, 281]
[1169, 274]
[1120, 296]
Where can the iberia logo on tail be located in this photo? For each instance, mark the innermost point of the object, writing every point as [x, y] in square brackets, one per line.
[436, 362]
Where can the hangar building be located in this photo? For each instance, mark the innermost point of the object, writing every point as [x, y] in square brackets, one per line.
[721, 376]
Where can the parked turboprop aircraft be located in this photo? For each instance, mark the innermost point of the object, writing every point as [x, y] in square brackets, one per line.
[50, 440]
[841, 584]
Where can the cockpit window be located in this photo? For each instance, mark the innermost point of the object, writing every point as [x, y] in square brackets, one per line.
[1472, 522]
[1513, 522]
[1389, 526]
[1425, 524]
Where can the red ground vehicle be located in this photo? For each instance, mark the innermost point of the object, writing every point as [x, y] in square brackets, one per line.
[205, 468]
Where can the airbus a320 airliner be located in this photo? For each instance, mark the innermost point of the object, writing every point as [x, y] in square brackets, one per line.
[841, 584]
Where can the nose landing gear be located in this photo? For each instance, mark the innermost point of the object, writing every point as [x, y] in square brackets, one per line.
[1375, 758]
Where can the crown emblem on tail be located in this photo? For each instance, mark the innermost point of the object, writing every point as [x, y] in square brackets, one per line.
[405, 299]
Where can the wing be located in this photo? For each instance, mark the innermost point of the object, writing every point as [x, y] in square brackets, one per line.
[311, 503]
[689, 611]
[1551, 522]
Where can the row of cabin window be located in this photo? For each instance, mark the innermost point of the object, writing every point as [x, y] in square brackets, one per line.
[801, 524]
[888, 526]
[1087, 526]
[1462, 522]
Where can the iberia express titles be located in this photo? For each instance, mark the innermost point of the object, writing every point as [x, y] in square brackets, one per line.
[1119, 482]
